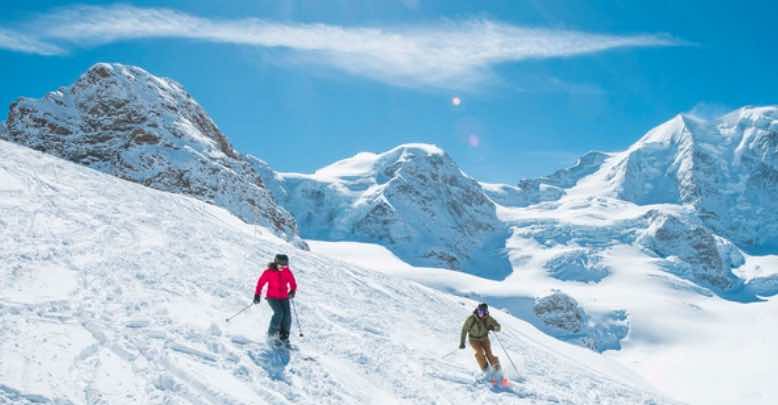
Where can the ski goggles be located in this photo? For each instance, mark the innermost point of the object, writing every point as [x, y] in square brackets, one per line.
[482, 312]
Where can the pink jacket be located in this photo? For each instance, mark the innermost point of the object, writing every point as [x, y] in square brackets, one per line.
[280, 282]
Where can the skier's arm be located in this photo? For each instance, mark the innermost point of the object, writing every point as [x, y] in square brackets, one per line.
[466, 327]
[292, 284]
[495, 326]
[260, 284]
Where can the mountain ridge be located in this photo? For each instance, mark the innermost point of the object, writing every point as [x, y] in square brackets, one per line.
[413, 198]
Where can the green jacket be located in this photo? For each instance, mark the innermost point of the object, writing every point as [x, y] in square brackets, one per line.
[478, 329]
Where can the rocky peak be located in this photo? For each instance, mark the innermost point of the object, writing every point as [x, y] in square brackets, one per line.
[128, 100]
[124, 121]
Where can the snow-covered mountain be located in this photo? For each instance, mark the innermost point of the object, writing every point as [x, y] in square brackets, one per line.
[726, 168]
[111, 292]
[129, 123]
[696, 193]
[413, 199]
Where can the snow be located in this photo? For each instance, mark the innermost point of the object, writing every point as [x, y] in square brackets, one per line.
[157, 273]
[758, 266]
[50, 283]
[357, 165]
[366, 163]
[680, 338]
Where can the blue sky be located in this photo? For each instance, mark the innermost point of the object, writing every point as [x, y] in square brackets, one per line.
[304, 83]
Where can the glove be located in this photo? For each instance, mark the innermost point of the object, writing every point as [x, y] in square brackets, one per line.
[291, 293]
[257, 298]
[461, 345]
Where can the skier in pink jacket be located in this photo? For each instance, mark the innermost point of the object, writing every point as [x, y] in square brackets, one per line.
[281, 286]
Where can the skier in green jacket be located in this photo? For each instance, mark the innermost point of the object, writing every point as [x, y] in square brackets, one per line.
[478, 326]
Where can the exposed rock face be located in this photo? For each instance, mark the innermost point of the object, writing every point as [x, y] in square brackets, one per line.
[126, 122]
[706, 258]
[561, 311]
[563, 317]
[412, 199]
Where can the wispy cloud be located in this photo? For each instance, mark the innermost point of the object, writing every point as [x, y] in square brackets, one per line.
[16, 41]
[450, 54]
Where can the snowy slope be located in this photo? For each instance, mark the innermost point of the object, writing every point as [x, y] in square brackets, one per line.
[116, 293]
[693, 345]
[413, 199]
[129, 123]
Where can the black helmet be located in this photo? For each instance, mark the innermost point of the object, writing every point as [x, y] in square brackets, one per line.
[482, 310]
[282, 260]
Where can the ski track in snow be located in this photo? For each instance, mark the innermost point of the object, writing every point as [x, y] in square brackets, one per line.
[115, 293]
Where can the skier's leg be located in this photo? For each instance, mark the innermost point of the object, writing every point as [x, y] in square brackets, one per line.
[275, 322]
[493, 360]
[479, 354]
[286, 320]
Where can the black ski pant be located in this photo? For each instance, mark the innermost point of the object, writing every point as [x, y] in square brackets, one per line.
[281, 321]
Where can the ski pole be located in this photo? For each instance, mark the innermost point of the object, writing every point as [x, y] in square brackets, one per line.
[507, 354]
[239, 312]
[297, 318]
[449, 354]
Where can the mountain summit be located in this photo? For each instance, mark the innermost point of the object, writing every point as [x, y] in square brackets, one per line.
[413, 199]
[129, 123]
